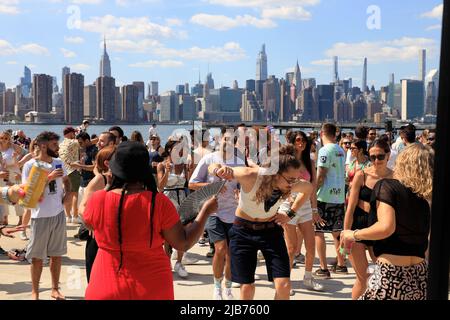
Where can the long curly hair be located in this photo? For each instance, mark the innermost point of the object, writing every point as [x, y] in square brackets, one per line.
[286, 160]
[414, 169]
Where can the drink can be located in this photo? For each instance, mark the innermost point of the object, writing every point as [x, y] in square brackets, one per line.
[37, 180]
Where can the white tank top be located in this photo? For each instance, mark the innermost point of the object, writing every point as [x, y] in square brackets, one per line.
[248, 204]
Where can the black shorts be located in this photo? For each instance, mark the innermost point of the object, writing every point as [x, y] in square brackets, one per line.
[362, 220]
[217, 229]
[333, 214]
[244, 246]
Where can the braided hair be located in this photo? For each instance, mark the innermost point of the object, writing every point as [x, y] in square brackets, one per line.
[118, 183]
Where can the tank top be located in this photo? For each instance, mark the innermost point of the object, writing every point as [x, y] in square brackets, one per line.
[175, 188]
[248, 204]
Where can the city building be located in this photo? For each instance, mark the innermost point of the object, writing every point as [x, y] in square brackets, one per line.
[336, 69]
[309, 83]
[25, 83]
[9, 101]
[422, 65]
[432, 98]
[153, 89]
[326, 102]
[261, 65]
[358, 109]
[42, 93]
[209, 81]
[391, 95]
[309, 104]
[364, 78]
[188, 109]
[298, 80]
[105, 63]
[65, 70]
[169, 106]
[90, 102]
[271, 99]
[2, 87]
[179, 89]
[73, 98]
[106, 99]
[250, 85]
[130, 103]
[342, 109]
[250, 110]
[141, 96]
[412, 99]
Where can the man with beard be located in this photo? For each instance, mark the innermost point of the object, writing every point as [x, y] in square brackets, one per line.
[48, 221]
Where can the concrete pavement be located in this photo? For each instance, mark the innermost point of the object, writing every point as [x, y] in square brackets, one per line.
[15, 278]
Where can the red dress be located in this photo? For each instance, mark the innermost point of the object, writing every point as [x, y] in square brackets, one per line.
[146, 273]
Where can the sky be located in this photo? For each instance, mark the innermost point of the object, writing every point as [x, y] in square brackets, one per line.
[174, 41]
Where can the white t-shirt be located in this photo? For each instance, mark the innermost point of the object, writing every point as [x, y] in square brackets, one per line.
[227, 201]
[51, 204]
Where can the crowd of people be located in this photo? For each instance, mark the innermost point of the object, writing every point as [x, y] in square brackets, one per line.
[371, 193]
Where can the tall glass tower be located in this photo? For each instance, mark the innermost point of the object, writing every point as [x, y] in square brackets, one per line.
[261, 65]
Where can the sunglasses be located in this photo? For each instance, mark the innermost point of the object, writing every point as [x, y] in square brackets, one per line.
[431, 139]
[380, 157]
[300, 140]
[290, 182]
[347, 143]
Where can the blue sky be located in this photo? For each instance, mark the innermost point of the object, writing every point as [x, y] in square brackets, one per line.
[169, 41]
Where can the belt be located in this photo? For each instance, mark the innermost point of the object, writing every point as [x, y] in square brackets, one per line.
[255, 226]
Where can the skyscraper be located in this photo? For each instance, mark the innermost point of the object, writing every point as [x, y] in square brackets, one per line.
[73, 98]
[153, 88]
[65, 70]
[106, 99]
[2, 87]
[187, 108]
[250, 85]
[391, 94]
[130, 97]
[105, 63]
[9, 101]
[141, 87]
[431, 102]
[169, 106]
[271, 99]
[298, 79]
[326, 98]
[25, 82]
[422, 65]
[261, 65]
[412, 99]
[336, 70]
[364, 78]
[42, 93]
[179, 89]
[90, 102]
[210, 81]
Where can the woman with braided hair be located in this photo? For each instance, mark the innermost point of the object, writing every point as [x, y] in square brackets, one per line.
[131, 220]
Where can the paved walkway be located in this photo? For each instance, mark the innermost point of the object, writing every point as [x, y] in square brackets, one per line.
[15, 279]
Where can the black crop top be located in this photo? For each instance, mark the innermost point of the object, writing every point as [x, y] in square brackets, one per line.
[365, 194]
[412, 220]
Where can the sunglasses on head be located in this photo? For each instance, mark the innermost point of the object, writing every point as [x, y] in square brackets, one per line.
[379, 157]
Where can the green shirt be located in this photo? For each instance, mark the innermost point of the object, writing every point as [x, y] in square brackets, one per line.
[332, 157]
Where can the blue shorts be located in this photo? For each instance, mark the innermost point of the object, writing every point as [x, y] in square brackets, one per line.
[217, 229]
[244, 246]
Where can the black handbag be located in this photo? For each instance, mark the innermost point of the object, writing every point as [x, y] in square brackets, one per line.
[83, 233]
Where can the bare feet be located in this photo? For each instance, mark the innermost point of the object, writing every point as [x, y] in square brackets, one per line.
[57, 295]
[34, 296]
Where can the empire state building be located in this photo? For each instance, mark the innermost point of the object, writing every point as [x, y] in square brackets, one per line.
[105, 64]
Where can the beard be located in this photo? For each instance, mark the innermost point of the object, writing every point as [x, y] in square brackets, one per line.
[52, 153]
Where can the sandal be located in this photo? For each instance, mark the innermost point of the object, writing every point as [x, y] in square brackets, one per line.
[60, 296]
[17, 255]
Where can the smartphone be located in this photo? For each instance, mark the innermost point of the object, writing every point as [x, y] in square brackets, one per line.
[58, 166]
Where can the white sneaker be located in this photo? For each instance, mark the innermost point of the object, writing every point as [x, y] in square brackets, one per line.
[180, 270]
[23, 236]
[229, 294]
[217, 294]
[174, 254]
[311, 284]
[292, 293]
[236, 285]
[188, 259]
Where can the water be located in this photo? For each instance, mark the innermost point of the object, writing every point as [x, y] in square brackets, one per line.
[164, 131]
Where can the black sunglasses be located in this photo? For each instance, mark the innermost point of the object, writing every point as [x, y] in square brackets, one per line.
[348, 143]
[380, 157]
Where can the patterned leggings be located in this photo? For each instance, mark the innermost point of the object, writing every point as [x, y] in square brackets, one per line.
[390, 282]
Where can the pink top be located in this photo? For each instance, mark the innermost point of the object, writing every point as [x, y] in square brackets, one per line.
[304, 175]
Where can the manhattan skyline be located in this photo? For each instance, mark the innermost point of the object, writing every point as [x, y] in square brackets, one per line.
[152, 40]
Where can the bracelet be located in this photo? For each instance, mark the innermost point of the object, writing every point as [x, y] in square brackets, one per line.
[315, 210]
[5, 197]
[354, 236]
[291, 213]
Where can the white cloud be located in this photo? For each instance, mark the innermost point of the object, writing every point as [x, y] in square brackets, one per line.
[174, 22]
[126, 28]
[80, 67]
[9, 7]
[434, 27]
[261, 4]
[7, 49]
[11, 62]
[128, 3]
[67, 53]
[397, 50]
[223, 23]
[286, 13]
[435, 13]
[231, 51]
[141, 46]
[74, 40]
[157, 63]
[86, 1]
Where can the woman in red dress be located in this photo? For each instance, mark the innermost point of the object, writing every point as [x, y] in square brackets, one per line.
[131, 221]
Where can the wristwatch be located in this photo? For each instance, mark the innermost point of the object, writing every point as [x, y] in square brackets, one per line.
[291, 213]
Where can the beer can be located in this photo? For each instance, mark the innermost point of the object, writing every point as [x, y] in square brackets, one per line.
[37, 180]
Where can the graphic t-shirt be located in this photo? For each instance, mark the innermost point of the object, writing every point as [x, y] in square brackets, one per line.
[52, 203]
[332, 157]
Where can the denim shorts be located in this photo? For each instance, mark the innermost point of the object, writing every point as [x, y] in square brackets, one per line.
[217, 229]
[244, 246]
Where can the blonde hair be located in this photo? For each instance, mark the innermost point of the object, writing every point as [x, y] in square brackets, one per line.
[414, 169]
